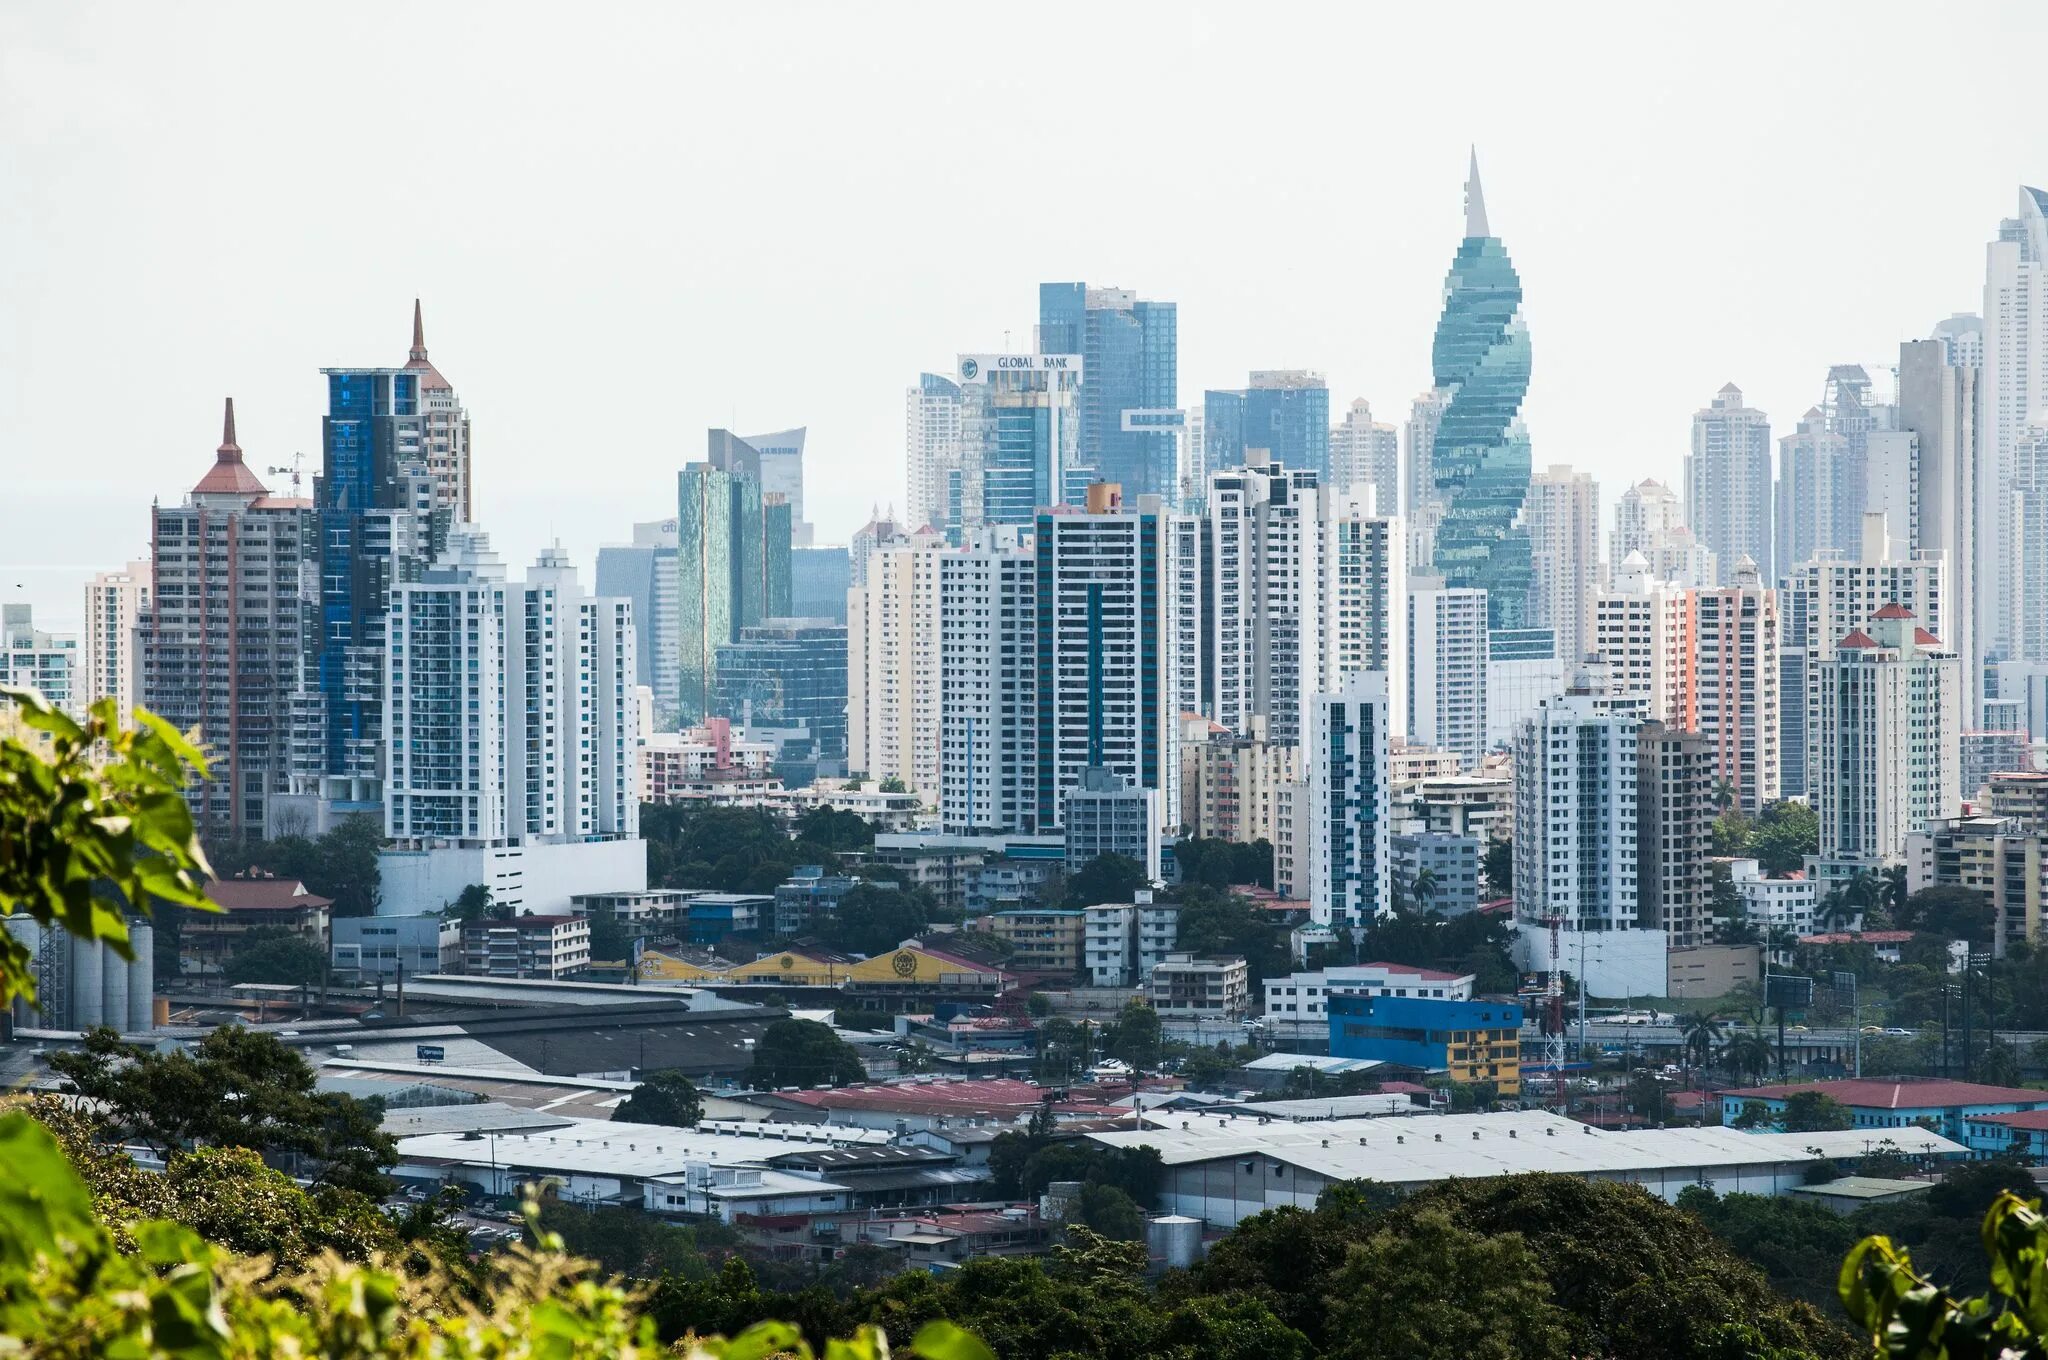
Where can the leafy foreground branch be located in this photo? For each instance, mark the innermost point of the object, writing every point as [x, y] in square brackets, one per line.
[67, 1290]
[1911, 1318]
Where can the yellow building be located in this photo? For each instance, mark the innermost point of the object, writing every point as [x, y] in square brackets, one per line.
[794, 968]
[915, 968]
[1048, 940]
[666, 969]
[1493, 1055]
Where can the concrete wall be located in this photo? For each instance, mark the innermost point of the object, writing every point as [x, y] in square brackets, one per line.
[529, 878]
[1610, 963]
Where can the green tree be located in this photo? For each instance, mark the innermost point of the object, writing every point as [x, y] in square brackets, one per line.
[1038, 1005]
[1749, 1051]
[277, 956]
[1109, 1211]
[1424, 889]
[663, 1097]
[1648, 1099]
[236, 1088]
[1438, 1291]
[1952, 913]
[472, 904]
[841, 832]
[1135, 1036]
[1699, 1032]
[872, 919]
[1106, 878]
[1783, 837]
[1997, 1065]
[1796, 1242]
[96, 824]
[804, 1053]
[1498, 868]
[1906, 1314]
[1814, 1112]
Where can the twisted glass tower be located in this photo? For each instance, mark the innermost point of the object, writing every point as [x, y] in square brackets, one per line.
[1479, 463]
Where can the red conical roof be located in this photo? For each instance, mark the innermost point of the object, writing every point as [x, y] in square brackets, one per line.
[229, 476]
[1857, 638]
[1893, 610]
[1923, 638]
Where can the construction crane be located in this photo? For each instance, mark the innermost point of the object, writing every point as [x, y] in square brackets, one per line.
[294, 471]
[1553, 1011]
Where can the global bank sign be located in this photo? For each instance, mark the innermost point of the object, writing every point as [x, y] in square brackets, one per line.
[983, 367]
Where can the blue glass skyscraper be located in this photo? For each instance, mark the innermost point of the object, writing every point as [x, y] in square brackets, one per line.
[1130, 352]
[1480, 459]
[1285, 412]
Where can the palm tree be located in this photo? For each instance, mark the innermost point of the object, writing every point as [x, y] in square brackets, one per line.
[1896, 891]
[1700, 1032]
[1835, 910]
[1423, 889]
[1750, 1051]
[1724, 795]
[1863, 890]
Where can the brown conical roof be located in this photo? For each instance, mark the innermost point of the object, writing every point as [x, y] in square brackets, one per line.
[417, 359]
[229, 475]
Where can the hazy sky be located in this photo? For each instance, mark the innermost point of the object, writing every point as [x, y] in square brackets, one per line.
[629, 224]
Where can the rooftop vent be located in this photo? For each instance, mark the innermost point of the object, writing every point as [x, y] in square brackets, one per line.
[1551, 1132]
[1439, 1138]
[1511, 1133]
[1475, 1135]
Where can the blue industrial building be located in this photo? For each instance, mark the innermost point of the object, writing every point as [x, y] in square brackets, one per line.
[1470, 1040]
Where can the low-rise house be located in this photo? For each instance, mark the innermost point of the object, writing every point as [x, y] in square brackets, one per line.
[530, 946]
[1200, 987]
[1046, 939]
[211, 938]
[1949, 1108]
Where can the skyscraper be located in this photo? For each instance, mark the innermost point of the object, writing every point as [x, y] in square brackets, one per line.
[931, 441]
[511, 705]
[1020, 436]
[384, 515]
[985, 696]
[1938, 403]
[1650, 519]
[220, 643]
[893, 674]
[1728, 482]
[1576, 779]
[1735, 682]
[644, 572]
[1815, 506]
[2014, 389]
[1365, 454]
[1447, 668]
[114, 602]
[1643, 634]
[1130, 352]
[46, 662]
[1282, 416]
[442, 431]
[1479, 454]
[1563, 518]
[789, 674]
[1674, 821]
[1888, 731]
[1420, 505]
[776, 461]
[732, 568]
[1350, 851]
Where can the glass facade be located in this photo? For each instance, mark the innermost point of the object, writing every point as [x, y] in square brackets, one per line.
[733, 561]
[1286, 414]
[1130, 349]
[1480, 458]
[786, 673]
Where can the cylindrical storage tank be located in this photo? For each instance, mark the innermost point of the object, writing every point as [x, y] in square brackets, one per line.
[159, 1012]
[29, 936]
[142, 980]
[113, 989]
[1175, 1239]
[86, 991]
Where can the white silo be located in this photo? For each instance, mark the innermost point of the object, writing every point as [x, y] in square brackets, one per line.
[30, 937]
[141, 980]
[86, 989]
[113, 989]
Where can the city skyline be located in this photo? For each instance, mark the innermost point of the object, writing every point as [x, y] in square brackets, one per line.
[776, 323]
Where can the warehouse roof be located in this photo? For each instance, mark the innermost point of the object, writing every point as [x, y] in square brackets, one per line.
[1894, 1093]
[597, 1148]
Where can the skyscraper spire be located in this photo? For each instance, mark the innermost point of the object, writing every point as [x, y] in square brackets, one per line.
[419, 331]
[1475, 202]
[227, 432]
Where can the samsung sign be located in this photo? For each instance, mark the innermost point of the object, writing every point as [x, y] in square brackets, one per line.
[978, 367]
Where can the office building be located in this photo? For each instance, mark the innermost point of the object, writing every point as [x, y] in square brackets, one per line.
[819, 576]
[442, 430]
[1420, 501]
[1130, 387]
[1302, 998]
[732, 565]
[1728, 482]
[1108, 815]
[1938, 385]
[892, 670]
[530, 946]
[789, 675]
[1523, 668]
[776, 461]
[110, 668]
[1887, 724]
[1363, 582]
[47, 662]
[2013, 392]
[1816, 505]
[1447, 668]
[1350, 818]
[1020, 436]
[931, 441]
[1642, 633]
[1045, 939]
[2028, 630]
[512, 713]
[1674, 826]
[645, 573]
[1563, 516]
[384, 514]
[1282, 416]
[1469, 1041]
[1735, 681]
[222, 653]
[1366, 454]
[1479, 452]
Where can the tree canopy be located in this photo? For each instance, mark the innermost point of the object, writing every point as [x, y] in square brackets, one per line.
[804, 1053]
[275, 955]
[664, 1097]
[874, 918]
[1106, 878]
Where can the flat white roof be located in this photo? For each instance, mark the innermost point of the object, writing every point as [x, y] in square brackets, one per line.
[601, 1147]
[1316, 1062]
[1406, 1150]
